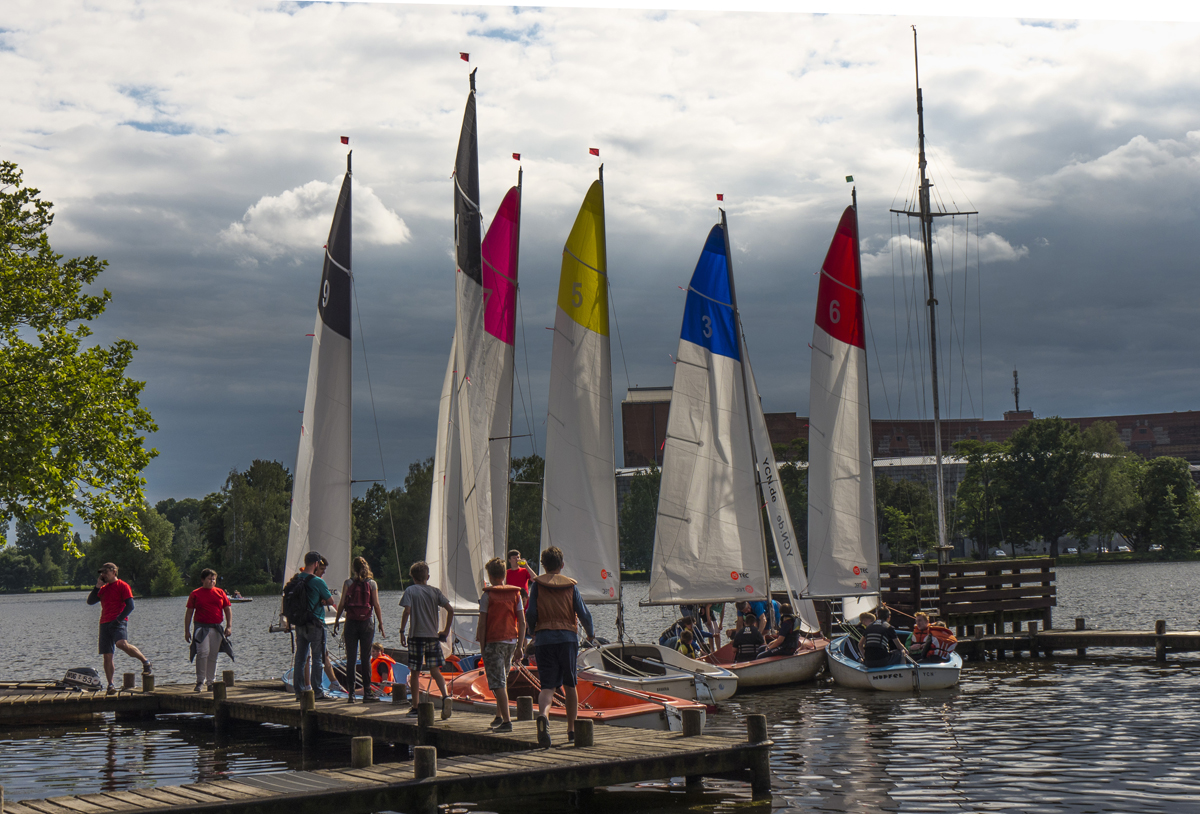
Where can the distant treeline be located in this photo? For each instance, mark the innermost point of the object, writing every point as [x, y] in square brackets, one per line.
[1050, 481]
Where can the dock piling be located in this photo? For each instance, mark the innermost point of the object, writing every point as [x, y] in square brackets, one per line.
[693, 722]
[362, 752]
[1080, 624]
[424, 762]
[1160, 644]
[756, 732]
[524, 708]
[127, 681]
[147, 682]
[425, 714]
[227, 677]
[1032, 627]
[585, 733]
[219, 691]
[308, 701]
[756, 728]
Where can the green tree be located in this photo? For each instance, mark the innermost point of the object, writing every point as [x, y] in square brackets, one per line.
[391, 528]
[794, 480]
[257, 512]
[638, 516]
[54, 551]
[70, 422]
[1168, 509]
[139, 566]
[898, 534]
[525, 506]
[977, 509]
[1041, 481]
[16, 569]
[1108, 493]
[793, 451]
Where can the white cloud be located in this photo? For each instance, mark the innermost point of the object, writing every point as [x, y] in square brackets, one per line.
[298, 220]
[902, 251]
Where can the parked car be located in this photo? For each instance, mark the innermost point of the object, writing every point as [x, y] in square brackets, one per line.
[999, 552]
[1156, 548]
[1072, 551]
[918, 556]
[1124, 549]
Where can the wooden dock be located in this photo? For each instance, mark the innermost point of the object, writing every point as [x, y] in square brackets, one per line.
[1036, 642]
[456, 760]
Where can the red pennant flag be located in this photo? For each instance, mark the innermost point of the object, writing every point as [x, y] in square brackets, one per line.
[720, 196]
[516, 156]
[464, 56]
[594, 150]
[345, 139]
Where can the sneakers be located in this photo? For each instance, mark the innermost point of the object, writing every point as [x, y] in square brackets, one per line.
[199, 686]
[111, 690]
[495, 722]
[543, 732]
[412, 713]
[349, 699]
[320, 696]
[369, 697]
[147, 668]
[570, 737]
[503, 726]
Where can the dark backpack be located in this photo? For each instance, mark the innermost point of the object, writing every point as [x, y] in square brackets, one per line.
[358, 600]
[295, 600]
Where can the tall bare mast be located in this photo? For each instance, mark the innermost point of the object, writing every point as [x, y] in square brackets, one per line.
[926, 214]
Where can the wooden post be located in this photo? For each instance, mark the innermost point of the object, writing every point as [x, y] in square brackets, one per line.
[227, 677]
[127, 681]
[424, 762]
[1000, 632]
[693, 722]
[221, 718]
[425, 714]
[1080, 624]
[218, 691]
[524, 708]
[399, 694]
[585, 733]
[147, 682]
[1160, 643]
[308, 701]
[362, 752]
[760, 769]
[1033, 649]
[308, 719]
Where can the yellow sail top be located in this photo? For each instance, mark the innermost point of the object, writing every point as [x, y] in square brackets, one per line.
[583, 284]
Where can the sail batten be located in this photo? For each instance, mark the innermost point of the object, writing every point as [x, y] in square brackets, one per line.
[579, 501]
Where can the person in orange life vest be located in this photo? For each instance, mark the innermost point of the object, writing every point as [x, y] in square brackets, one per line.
[555, 610]
[501, 636]
[116, 603]
[519, 574]
[920, 640]
[360, 596]
[208, 604]
[942, 642]
[381, 670]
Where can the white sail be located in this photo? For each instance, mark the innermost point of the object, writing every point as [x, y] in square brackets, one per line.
[708, 539]
[320, 518]
[579, 505]
[843, 552]
[779, 517]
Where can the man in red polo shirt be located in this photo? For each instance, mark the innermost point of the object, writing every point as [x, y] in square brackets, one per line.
[116, 603]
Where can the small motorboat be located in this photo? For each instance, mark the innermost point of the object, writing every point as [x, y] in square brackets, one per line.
[774, 671]
[598, 701]
[848, 671]
[654, 668]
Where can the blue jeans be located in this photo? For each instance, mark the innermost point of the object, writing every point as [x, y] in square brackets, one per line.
[311, 635]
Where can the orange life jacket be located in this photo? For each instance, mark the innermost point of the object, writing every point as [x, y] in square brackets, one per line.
[502, 613]
[381, 670]
[941, 641]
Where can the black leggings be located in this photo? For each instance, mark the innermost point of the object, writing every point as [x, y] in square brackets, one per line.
[358, 637]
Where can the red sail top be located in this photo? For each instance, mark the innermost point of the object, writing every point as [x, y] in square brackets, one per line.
[839, 298]
[500, 269]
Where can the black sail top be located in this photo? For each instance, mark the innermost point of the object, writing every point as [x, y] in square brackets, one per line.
[333, 300]
[467, 227]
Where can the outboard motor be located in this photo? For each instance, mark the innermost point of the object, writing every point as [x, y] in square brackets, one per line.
[83, 678]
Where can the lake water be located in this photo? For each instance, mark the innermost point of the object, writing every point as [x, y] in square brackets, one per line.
[1113, 733]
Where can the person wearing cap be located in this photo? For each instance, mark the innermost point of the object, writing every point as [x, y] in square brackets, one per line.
[311, 634]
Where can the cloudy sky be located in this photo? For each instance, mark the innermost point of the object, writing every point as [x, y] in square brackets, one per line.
[196, 147]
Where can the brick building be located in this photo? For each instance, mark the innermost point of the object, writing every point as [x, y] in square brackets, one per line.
[644, 422]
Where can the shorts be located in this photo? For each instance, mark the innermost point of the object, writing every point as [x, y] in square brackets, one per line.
[429, 650]
[497, 658]
[111, 633]
[556, 664]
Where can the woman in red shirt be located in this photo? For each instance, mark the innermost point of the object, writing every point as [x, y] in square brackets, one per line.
[208, 605]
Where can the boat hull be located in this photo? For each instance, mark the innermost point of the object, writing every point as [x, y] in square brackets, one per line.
[775, 671]
[849, 672]
[626, 666]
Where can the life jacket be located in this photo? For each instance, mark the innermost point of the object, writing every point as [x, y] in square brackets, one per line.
[555, 602]
[944, 642]
[687, 650]
[877, 641]
[502, 622]
[381, 671]
[358, 600]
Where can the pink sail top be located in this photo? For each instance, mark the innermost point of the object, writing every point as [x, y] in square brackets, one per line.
[500, 269]
[839, 298]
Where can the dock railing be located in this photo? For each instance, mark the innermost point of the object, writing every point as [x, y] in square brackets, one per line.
[994, 592]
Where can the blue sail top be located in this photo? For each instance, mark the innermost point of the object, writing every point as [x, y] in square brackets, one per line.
[708, 318]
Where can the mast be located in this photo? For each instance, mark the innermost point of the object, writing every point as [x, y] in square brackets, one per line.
[737, 316]
[926, 215]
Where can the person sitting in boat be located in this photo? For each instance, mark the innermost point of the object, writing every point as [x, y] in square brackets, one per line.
[788, 640]
[686, 646]
[382, 673]
[881, 645]
[942, 643]
[920, 640]
[237, 594]
[748, 639]
[670, 637]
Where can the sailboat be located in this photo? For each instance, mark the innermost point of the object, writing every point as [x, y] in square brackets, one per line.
[320, 519]
[468, 513]
[843, 542]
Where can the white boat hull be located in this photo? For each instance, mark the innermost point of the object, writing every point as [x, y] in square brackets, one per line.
[778, 671]
[625, 666]
[849, 672]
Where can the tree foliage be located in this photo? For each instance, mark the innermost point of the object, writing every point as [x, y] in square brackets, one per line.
[638, 516]
[1108, 495]
[978, 510]
[390, 528]
[140, 565]
[525, 506]
[70, 422]
[904, 513]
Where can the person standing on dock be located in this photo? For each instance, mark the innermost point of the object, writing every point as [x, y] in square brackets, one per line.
[421, 602]
[310, 631]
[501, 637]
[360, 597]
[116, 603]
[554, 614]
[208, 605]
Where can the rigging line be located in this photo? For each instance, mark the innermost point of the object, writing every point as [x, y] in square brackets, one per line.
[378, 438]
[893, 240]
[979, 306]
[878, 361]
[612, 301]
[528, 381]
